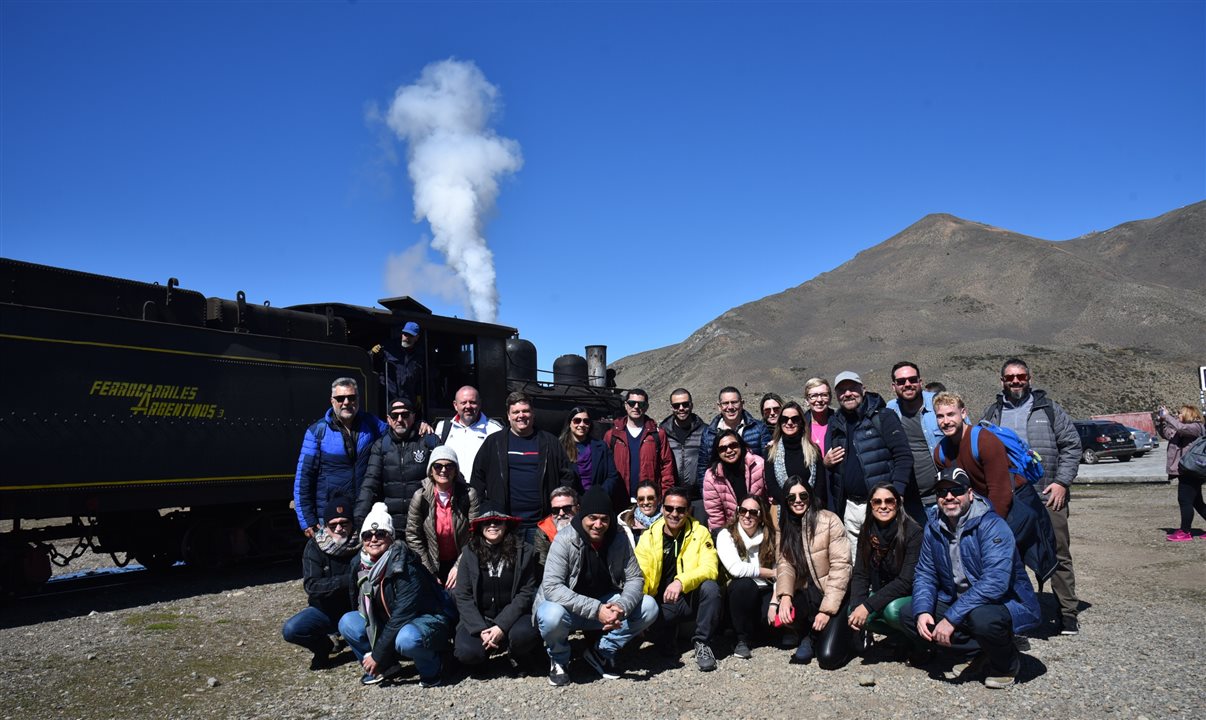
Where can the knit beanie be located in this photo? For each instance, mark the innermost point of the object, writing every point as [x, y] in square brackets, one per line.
[339, 505]
[595, 502]
[444, 453]
[378, 519]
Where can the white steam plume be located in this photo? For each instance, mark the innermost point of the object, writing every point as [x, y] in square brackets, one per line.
[454, 161]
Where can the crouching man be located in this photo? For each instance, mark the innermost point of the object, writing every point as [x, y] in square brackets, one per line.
[591, 581]
[679, 562]
[970, 591]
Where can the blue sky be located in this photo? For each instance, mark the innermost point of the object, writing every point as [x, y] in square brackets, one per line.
[678, 158]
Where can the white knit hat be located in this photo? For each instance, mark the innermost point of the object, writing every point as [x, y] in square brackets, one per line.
[378, 519]
[445, 453]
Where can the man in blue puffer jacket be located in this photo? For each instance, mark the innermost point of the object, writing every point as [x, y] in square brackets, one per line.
[334, 454]
[732, 416]
[970, 589]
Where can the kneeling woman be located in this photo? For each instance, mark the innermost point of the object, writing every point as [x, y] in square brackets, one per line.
[883, 570]
[812, 577]
[746, 548]
[403, 611]
[496, 583]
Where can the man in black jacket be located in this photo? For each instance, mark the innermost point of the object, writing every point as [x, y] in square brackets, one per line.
[865, 445]
[517, 470]
[396, 467]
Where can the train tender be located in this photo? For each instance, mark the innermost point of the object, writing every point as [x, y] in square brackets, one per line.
[151, 422]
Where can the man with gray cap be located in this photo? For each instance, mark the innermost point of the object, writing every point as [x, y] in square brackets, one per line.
[971, 593]
[866, 445]
[396, 467]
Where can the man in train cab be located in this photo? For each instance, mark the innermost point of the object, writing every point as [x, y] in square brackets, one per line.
[640, 449]
[732, 415]
[404, 366]
[684, 432]
[519, 469]
[334, 454]
[396, 467]
[467, 430]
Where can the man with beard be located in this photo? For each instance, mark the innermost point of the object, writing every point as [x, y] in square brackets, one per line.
[866, 445]
[684, 433]
[396, 467]
[591, 582]
[1047, 428]
[334, 455]
[404, 366]
[564, 502]
[915, 408]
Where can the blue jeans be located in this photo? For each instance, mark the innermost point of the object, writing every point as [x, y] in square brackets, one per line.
[310, 628]
[414, 640]
[556, 623]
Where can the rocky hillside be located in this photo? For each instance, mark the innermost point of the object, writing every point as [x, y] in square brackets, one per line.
[1110, 321]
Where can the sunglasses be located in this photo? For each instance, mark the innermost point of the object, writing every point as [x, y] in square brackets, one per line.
[563, 509]
[951, 490]
[883, 502]
[771, 410]
[340, 399]
[339, 523]
[375, 535]
[494, 522]
[913, 380]
[798, 497]
[729, 446]
[636, 403]
[681, 405]
[789, 419]
[647, 500]
[400, 414]
[442, 468]
[580, 421]
[674, 509]
[749, 512]
[1018, 377]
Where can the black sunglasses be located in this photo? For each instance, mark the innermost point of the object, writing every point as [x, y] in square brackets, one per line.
[911, 380]
[375, 535]
[681, 405]
[674, 509]
[729, 446]
[563, 509]
[636, 403]
[798, 497]
[340, 399]
[789, 419]
[953, 490]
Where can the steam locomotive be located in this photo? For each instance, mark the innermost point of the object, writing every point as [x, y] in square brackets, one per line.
[153, 422]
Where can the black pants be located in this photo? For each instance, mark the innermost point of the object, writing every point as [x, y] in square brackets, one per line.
[987, 629]
[1189, 498]
[748, 605]
[703, 604]
[522, 640]
[832, 645]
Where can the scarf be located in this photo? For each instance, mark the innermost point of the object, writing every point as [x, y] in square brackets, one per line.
[369, 579]
[881, 542]
[781, 465]
[330, 544]
[643, 519]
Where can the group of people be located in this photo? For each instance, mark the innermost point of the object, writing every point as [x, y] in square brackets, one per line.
[820, 525]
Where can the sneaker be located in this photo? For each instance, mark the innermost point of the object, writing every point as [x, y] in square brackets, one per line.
[430, 682]
[1070, 626]
[742, 650]
[558, 677]
[966, 670]
[1000, 682]
[602, 665]
[1179, 536]
[803, 653]
[371, 679]
[704, 657]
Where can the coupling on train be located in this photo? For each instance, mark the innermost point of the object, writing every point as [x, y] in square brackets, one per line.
[155, 424]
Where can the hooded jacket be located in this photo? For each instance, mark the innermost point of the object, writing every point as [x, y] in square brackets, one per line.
[1050, 433]
[564, 565]
[697, 561]
[1179, 436]
[396, 469]
[880, 443]
[990, 562]
[754, 432]
[523, 590]
[324, 466]
[720, 502]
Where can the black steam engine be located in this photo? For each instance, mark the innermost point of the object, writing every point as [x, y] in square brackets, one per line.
[153, 423]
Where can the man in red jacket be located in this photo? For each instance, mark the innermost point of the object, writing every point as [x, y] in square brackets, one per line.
[640, 448]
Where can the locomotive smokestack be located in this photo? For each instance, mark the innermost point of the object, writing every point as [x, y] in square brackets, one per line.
[596, 365]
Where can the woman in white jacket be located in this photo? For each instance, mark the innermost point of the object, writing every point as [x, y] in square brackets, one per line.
[746, 547]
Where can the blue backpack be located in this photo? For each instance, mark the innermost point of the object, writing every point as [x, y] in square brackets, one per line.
[1023, 460]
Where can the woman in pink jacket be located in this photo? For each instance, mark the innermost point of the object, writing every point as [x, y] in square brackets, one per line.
[733, 473]
[1180, 430]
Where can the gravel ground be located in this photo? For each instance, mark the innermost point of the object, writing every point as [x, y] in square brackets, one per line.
[209, 646]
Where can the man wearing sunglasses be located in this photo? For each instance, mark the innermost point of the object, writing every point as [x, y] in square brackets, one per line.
[640, 448]
[396, 467]
[684, 431]
[678, 560]
[915, 408]
[971, 593]
[1043, 424]
[564, 501]
[334, 454]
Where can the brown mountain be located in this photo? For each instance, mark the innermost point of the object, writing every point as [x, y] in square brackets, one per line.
[1111, 321]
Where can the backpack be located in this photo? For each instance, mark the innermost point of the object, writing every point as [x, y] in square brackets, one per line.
[1193, 460]
[1023, 460]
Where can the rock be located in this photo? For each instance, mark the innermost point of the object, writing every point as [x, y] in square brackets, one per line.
[90, 656]
[866, 679]
[241, 643]
[213, 682]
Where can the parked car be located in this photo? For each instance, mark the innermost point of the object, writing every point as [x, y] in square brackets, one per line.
[1104, 438]
[1144, 440]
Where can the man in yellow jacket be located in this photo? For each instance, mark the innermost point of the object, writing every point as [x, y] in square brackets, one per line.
[678, 559]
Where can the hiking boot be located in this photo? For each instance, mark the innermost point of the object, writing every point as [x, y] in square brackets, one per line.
[1179, 536]
[704, 657]
[338, 644]
[742, 650]
[602, 665]
[803, 653]
[558, 677]
[1069, 626]
[966, 670]
[1000, 682]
